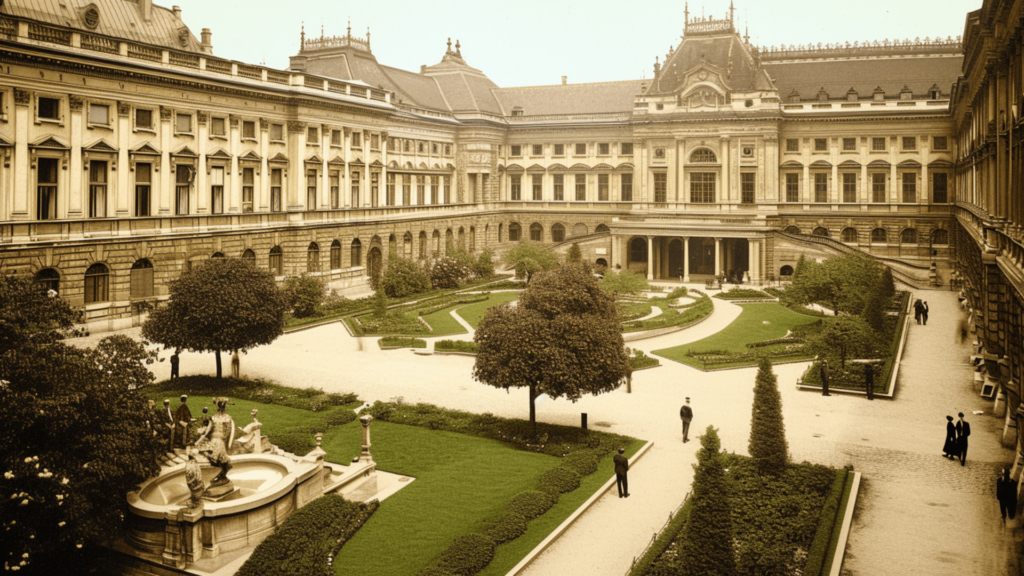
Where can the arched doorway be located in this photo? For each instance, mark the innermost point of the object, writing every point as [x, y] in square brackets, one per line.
[702, 256]
[374, 264]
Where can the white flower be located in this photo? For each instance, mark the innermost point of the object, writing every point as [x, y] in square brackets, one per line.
[78, 545]
[28, 460]
[64, 481]
[25, 555]
[24, 502]
[8, 475]
[60, 496]
[61, 524]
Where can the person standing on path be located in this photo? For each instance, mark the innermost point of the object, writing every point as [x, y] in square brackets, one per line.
[174, 365]
[869, 381]
[949, 448]
[963, 431]
[1006, 493]
[236, 365]
[918, 310]
[621, 469]
[686, 414]
[924, 312]
[824, 378]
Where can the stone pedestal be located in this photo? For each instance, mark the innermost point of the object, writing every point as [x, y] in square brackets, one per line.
[365, 456]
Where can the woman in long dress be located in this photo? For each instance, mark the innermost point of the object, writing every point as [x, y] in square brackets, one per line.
[216, 440]
[949, 449]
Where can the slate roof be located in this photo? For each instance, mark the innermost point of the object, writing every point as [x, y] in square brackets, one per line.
[117, 18]
[591, 98]
[725, 52]
[838, 76]
[416, 88]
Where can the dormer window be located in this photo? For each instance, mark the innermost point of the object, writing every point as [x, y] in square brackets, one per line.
[878, 94]
[794, 97]
[934, 93]
[851, 95]
[517, 111]
[822, 95]
[906, 93]
[91, 17]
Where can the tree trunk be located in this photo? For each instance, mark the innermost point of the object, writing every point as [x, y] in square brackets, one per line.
[218, 364]
[533, 409]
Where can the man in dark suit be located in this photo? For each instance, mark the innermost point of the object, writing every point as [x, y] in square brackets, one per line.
[621, 468]
[963, 430]
[686, 414]
[167, 424]
[183, 420]
[174, 364]
[824, 378]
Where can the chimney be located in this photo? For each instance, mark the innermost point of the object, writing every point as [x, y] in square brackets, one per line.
[423, 68]
[176, 10]
[564, 80]
[146, 7]
[207, 46]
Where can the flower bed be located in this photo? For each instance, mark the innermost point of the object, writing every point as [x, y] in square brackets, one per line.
[681, 316]
[638, 360]
[456, 346]
[406, 319]
[389, 342]
[744, 294]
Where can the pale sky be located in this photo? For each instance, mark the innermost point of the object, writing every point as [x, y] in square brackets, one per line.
[535, 42]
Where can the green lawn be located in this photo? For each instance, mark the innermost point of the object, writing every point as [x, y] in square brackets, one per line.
[474, 313]
[442, 323]
[634, 310]
[461, 483]
[748, 328]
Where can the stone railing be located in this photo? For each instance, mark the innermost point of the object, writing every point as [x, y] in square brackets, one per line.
[328, 42]
[871, 48]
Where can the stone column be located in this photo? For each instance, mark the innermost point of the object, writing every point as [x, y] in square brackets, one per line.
[365, 420]
[615, 253]
[718, 256]
[325, 174]
[233, 184]
[73, 204]
[261, 192]
[686, 259]
[382, 185]
[201, 190]
[167, 192]
[346, 176]
[663, 270]
[364, 183]
[125, 199]
[650, 258]
[294, 187]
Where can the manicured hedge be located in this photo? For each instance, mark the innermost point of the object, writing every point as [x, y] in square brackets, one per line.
[300, 546]
[507, 528]
[559, 480]
[530, 505]
[681, 316]
[816, 557]
[456, 346]
[646, 563]
[263, 391]
[404, 342]
[743, 294]
[583, 462]
[638, 360]
[468, 555]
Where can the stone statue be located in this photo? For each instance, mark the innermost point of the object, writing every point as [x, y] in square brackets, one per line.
[194, 480]
[216, 440]
[251, 441]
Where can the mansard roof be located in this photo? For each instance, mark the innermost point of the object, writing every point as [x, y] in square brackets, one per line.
[724, 53]
[836, 76]
[590, 98]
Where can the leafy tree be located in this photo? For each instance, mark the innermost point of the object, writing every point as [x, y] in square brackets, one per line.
[875, 305]
[562, 339]
[842, 283]
[449, 272]
[528, 258]
[225, 304]
[624, 282]
[304, 294]
[768, 445]
[574, 254]
[842, 338]
[888, 286]
[379, 304]
[484, 265]
[707, 543]
[75, 433]
[403, 277]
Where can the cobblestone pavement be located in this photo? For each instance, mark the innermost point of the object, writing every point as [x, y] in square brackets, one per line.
[918, 513]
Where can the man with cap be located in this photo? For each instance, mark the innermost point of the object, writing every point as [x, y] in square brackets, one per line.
[621, 468]
[686, 414]
[167, 424]
[183, 420]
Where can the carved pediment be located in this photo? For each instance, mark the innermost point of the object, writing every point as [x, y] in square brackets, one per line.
[250, 156]
[791, 164]
[51, 142]
[703, 95]
[879, 164]
[408, 166]
[146, 149]
[449, 166]
[557, 168]
[218, 154]
[101, 146]
[314, 159]
[423, 166]
[185, 151]
[940, 164]
[850, 164]
[625, 166]
[391, 164]
[341, 161]
[4, 143]
[821, 164]
[358, 162]
[514, 168]
[580, 168]
[279, 159]
[909, 164]
[603, 166]
[535, 168]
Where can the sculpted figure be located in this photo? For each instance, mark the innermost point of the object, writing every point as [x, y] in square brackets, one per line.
[194, 480]
[216, 439]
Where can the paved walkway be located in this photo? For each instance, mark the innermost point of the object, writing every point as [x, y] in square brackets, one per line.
[918, 513]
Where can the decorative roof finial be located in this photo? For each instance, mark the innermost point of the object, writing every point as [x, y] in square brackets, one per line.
[746, 35]
[731, 10]
[686, 13]
[349, 27]
[302, 36]
[458, 48]
[367, 36]
[449, 46]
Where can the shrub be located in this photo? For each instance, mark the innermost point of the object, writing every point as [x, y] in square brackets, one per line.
[298, 442]
[340, 417]
[707, 543]
[530, 505]
[826, 522]
[448, 272]
[305, 294]
[301, 544]
[768, 445]
[507, 528]
[484, 265]
[456, 346]
[403, 277]
[398, 341]
[468, 554]
[559, 480]
[640, 360]
[677, 293]
[379, 304]
[583, 462]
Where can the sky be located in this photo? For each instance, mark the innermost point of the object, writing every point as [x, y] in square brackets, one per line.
[536, 42]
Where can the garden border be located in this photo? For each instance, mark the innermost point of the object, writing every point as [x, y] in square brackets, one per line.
[454, 353]
[844, 533]
[642, 335]
[561, 528]
[754, 365]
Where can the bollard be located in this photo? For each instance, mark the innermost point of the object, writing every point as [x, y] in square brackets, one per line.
[583, 420]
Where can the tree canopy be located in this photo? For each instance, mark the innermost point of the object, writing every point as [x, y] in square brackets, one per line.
[224, 304]
[842, 283]
[842, 338]
[75, 433]
[528, 258]
[768, 446]
[562, 339]
[624, 282]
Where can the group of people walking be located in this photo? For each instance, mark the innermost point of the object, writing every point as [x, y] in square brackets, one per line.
[921, 312]
[622, 463]
[956, 439]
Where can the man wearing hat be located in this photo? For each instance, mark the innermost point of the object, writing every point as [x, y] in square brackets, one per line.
[183, 420]
[686, 413]
[963, 431]
[167, 426]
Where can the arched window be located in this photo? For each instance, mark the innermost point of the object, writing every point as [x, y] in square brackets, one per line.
[335, 255]
[878, 236]
[436, 237]
[940, 237]
[142, 279]
[792, 230]
[786, 270]
[536, 232]
[313, 257]
[908, 236]
[249, 256]
[407, 245]
[850, 235]
[819, 231]
[356, 253]
[449, 239]
[601, 263]
[514, 232]
[276, 261]
[472, 238]
[601, 228]
[392, 244]
[48, 279]
[579, 229]
[557, 233]
[703, 155]
[217, 256]
[638, 250]
[462, 238]
[423, 245]
[500, 230]
[97, 284]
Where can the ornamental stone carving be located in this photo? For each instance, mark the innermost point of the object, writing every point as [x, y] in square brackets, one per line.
[296, 127]
[75, 103]
[124, 109]
[166, 113]
[202, 117]
[22, 97]
[233, 120]
[264, 124]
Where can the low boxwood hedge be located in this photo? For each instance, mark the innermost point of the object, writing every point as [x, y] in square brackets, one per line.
[507, 528]
[530, 505]
[468, 555]
[559, 480]
[300, 546]
[816, 559]
[401, 341]
[583, 462]
[456, 346]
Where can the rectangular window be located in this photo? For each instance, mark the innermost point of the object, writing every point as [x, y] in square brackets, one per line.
[939, 195]
[99, 114]
[46, 182]
[878, 187]
[849, 144]
[939, 143]
[217, 127]
[334, 178]
[559, 150]
[910, 143]
[603, 149]
[909, 187]
[515, 187]
[217, 190]
[559, 187]
[626, 149]
[660, 187]
[515, 150]
[390, 190]
[374, 188]
[821, 187]
[702, 187]
[792, 187]
[538, 187]
[355, 188]
[143, 188]
[792, 145]
[183, 123]
[581, 150]
[311, 189]
[97, 189]
[49, 108]
[447, 189]
[421, 189]
[747, 181]
[335, 137]
[277, 132]
[435, 189]
[878, 144]
[406, 189]
[581, 187]
[182, 182]
[374, 141]
[849, 188]
[312, 135]
[538, 149]
[357, 139]
[602, 187]
[275, 189]
[821, 144]
[249, 130]
[143, 119]
[248, 188]
[626, 187]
